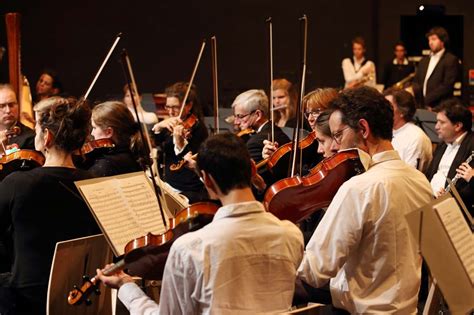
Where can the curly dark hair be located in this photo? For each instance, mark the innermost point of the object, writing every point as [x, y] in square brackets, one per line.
[226, 158]
[178, 90]
[456, 112]
[67, 119]
[441, 33]
[405, 102]
[365, 103]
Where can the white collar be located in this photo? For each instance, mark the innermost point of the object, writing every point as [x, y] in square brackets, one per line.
[438, 54]
[405, 62]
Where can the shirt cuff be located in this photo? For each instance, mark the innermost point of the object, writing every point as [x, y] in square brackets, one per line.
[178, 151]
[129, 292]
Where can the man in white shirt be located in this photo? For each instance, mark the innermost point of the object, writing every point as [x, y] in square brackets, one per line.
[358, 70]
[436, 73]
[453, 125]
[244, 261]
[411, 143]
[363, 245]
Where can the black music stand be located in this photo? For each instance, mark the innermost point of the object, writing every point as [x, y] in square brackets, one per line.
[426, 120]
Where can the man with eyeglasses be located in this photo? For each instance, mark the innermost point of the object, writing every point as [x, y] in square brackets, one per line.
[363, 246]
[13, 134]
[251, 112]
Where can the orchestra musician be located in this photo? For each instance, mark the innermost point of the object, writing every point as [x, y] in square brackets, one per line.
[179, 138]
[243, 262]
[145, 117]
[11, 138]
[358, 70]
[315, 102]
[43, 205]
[112, 120]
[251, 112]
[48, 84]
[285, 97]
[362, 245]
[399, 68]
[410, 141]
[453, 126]
[436, 73]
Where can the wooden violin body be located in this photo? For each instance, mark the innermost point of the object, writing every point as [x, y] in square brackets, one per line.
[20, 160]
[297, 197]
[146, 256]
[85, 156]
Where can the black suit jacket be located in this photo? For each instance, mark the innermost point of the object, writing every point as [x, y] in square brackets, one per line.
[255, 143]
[440, 85]
[465, 150]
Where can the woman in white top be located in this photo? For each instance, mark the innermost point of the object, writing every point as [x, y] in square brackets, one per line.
[358, 70]
[148, 118]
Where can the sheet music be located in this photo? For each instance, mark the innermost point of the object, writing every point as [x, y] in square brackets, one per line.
[125, 206]
[459, 233]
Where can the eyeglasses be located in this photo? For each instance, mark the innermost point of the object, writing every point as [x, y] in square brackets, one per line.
[313, 113]
[175, 107]
[240, 116]
[337, 136]
[10, 105]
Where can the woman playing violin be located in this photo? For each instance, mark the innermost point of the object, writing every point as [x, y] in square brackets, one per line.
[314, 103]
[43, 206]
[180, 137]
[113, 120]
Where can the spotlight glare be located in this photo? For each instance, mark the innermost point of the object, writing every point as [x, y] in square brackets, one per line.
[421, 8]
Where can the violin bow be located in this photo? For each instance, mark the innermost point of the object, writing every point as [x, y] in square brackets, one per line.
[270, 104]
[192, 78]
[107, 57]
[215, 88]
[296, 131]
[132, 86]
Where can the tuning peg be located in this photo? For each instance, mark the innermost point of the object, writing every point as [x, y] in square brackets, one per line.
[88, 302]
[97, 291]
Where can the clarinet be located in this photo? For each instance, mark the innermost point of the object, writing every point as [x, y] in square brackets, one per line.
[457, 177]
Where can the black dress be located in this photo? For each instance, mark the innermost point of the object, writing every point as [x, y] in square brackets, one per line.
[43, 207]
[114, 161]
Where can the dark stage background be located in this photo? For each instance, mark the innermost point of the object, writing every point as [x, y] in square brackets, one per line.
[163, 38]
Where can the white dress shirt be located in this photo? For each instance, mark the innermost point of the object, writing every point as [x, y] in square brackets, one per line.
[355, 71]
[363, 245]
[413, 145]
[434, 59]
[439, 178]
[243, 262]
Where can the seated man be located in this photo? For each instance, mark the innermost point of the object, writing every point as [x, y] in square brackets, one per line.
[13, 134]
[363, 246]
[454, 123]
[251, 112]
[244, 261]
[411, 143]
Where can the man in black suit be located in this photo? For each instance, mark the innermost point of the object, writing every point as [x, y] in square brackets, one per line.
[454, 124]
[437, 73]
[251, 112]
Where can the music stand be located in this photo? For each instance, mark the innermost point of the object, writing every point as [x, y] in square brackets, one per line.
[426, 120]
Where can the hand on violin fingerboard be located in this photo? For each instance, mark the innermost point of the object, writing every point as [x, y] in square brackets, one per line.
[167, 124]
[114, 281]
[190, 160]
[268, 148]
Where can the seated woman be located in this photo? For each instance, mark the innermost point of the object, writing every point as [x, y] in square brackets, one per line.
[43, 205]
[145, 117]
[112, 120]
[314, 102]
[179, 138]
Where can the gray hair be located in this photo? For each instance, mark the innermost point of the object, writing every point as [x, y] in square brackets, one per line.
[253, 100]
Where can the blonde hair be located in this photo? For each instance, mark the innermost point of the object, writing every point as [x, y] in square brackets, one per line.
[319, 98]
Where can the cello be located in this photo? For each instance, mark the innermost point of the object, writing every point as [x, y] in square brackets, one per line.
[295, 198]
[146, 256]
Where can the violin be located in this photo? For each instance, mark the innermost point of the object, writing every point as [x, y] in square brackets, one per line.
[296, 198]
[93, 145]
[20, 160]
[146, 256]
